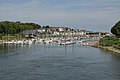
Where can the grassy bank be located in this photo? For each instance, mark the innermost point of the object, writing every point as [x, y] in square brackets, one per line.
[109, 43]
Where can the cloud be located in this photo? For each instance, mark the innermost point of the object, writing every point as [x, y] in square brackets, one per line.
[83, 13]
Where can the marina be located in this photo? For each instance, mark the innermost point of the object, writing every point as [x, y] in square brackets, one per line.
[59, 39]
[50, 41]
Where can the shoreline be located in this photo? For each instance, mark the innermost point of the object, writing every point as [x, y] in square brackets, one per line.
[109, 48]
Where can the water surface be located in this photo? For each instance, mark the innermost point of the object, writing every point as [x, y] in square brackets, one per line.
[54, 62]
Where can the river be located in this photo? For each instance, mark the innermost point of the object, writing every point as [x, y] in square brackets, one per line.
[55, 62]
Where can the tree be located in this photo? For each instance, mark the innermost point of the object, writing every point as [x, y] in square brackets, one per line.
[116, 29]
[7, 27]
[46, 26]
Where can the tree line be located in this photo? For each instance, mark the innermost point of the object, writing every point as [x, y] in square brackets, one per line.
[11, 28]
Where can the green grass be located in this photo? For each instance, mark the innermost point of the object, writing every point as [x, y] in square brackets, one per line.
[110, 41]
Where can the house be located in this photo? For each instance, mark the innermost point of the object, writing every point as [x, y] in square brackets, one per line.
[30, 33]
[82, 32]
[61, 29]
[41, 30]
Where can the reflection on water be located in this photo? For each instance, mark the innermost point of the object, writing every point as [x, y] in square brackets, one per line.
[55, 62]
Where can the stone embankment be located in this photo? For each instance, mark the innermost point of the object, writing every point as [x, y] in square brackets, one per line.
[110, 48]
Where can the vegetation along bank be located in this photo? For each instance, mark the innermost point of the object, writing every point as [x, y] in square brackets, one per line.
[111, 43]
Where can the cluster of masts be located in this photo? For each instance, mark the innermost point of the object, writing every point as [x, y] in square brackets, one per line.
[18, 42]
[59, 41]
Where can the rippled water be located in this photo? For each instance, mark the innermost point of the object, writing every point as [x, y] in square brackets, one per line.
[53, 62]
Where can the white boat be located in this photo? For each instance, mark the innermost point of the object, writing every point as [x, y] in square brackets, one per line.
[80, 41]
[66, 43]
[85, 44]
[48, 41]
[40, 40]
[27, 42]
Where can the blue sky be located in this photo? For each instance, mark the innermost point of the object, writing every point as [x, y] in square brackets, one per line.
[96, 15]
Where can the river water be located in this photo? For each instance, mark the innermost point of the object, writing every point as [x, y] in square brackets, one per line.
[54, 62]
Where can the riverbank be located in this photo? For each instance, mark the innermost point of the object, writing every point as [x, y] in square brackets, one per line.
[109, 48]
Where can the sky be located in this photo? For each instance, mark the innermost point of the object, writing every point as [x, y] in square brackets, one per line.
[95, 15]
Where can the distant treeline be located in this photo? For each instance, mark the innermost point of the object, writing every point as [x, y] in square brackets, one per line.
[11, 28]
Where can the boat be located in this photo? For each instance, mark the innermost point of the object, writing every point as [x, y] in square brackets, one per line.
[67, 43]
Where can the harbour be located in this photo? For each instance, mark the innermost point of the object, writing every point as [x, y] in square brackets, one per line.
[59, 40]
